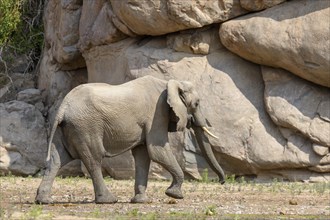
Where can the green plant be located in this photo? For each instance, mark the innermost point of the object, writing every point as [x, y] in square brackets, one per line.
[108, 179]
[242, 180]
[134, 212]
[150, 216]
[205, 176]
[96, 213]
[231, 179]
[21, 30]
[9, 18]
[321, 187]
[34, 212]
[210, 210]
[2, 213]
[275, 185]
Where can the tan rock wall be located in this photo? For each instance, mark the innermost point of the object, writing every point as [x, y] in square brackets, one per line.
[293, 36]
[272, 120]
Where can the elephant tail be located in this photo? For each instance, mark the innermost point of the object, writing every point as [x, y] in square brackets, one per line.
[58, 119]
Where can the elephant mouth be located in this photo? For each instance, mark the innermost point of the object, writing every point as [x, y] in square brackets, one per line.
[196, 120]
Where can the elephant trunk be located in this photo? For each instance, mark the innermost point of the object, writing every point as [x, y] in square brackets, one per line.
[199, 126]
[207, 152]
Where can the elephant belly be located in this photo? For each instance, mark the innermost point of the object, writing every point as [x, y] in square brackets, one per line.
[122, 139]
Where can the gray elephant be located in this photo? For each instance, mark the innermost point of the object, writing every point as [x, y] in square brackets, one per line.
[99, 120]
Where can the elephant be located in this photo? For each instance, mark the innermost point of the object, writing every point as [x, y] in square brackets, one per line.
[100, 120]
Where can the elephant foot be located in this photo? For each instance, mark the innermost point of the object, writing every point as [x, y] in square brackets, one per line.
[43, 200]
[106, 199]
[140, 198]
[174, 192]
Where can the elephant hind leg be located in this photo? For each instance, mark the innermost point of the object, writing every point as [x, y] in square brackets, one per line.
[59, 157]
[142, 165]
[93, 163]
[162, 154]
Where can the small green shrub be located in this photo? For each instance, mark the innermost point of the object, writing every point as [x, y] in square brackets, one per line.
[231, 179]
[34, 212]
[96, 213]
[210, 210]
[21, 30]
[134, 212]
[205, 176]
[10, 15]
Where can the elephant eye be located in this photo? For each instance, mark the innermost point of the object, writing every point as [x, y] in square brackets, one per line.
[197, 103]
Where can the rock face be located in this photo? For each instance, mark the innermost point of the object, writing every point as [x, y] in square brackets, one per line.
[293, 36]
[157, 17]
[270, 109]
[301, 110]
[23, 135]
[62, 33]
[298, 105]
[23, 138]
[257, 5]
[232, 91]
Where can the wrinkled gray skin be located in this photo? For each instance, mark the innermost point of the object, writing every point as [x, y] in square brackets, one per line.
[99, 120]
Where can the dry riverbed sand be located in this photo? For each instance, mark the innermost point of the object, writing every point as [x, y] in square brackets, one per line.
[73, 199]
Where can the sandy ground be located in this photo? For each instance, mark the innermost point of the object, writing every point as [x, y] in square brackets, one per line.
[74, 197]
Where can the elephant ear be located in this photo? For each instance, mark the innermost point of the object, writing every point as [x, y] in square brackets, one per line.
[174, 91]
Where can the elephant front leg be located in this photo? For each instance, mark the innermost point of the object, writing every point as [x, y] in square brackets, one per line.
[142, 165]
[162, 154]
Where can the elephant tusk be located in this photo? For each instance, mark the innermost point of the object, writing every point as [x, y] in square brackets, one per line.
[209, 133]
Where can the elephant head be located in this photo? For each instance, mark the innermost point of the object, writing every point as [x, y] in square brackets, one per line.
[184, 102]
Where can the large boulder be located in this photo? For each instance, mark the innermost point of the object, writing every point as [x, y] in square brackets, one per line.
[74, 25]
[56, 83]
[96, 26]
[302, 112]
[12, 84]
[23, 138]
[31, 96]
[62, 32]
[293, 36]
[298, 105]
[157, 17]
[257, 5]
